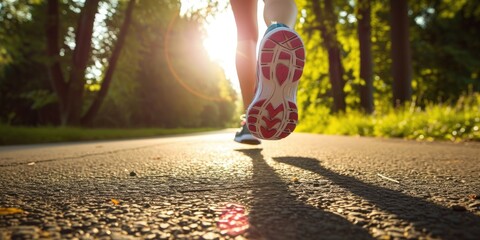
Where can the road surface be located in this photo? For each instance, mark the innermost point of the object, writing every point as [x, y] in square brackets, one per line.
[205, 186]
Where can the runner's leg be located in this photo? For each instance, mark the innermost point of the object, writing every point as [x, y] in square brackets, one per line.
[245, 12]
[280, 11]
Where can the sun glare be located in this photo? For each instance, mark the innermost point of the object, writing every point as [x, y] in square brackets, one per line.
[221, 37]
[221, 44]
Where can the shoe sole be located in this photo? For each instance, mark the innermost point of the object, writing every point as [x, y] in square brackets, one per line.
[273, 112]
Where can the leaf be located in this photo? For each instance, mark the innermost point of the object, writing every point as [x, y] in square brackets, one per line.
[115, 201]
[8, 211]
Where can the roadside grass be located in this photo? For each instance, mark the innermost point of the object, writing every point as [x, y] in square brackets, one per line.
[10, 135]
[452, 122]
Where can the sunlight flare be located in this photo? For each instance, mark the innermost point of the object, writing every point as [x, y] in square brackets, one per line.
[221, 36]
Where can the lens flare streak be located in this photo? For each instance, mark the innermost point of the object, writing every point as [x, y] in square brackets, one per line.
[234, 219]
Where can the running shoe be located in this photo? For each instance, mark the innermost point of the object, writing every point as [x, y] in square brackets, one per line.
[273, 114]
[244, 136]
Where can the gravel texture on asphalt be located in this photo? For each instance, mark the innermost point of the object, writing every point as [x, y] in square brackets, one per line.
[205, 186]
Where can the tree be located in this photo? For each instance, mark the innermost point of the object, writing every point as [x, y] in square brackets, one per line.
[326, 18]
[112, 63]
[401, 57]
[71, 92]
[446, 62]
[364, 30]
[25, 94]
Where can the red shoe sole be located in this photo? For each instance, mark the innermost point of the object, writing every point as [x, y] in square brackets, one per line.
[273, 112]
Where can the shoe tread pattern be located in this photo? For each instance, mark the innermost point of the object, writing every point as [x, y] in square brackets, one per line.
[272, 114]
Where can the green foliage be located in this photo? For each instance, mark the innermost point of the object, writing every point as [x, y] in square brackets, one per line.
[25, 95]
[144, 90]
[166, 78]
[314, 88]
[445, 44]
[444, 40]
[457, 122]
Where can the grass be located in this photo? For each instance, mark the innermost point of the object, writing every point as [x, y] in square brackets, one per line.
[10, 135]
[452, 122]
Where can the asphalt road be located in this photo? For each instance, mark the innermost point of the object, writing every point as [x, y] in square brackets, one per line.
[206, 186]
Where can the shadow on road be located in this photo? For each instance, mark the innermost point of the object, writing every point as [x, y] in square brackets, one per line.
[276, 214]
[433, 218]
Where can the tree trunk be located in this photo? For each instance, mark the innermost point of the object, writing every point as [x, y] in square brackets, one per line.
[401, 58]
[81, 55]
[364, 30]
[327, 21]
[54, 69]
[336, 79]
[97, 102]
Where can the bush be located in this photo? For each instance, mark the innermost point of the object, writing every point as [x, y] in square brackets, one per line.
[457, 122]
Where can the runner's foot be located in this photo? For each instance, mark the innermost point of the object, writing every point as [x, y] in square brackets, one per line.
[244, 136]
[273, 112]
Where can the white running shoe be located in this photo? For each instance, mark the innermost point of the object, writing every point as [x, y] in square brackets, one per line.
[273, 112]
